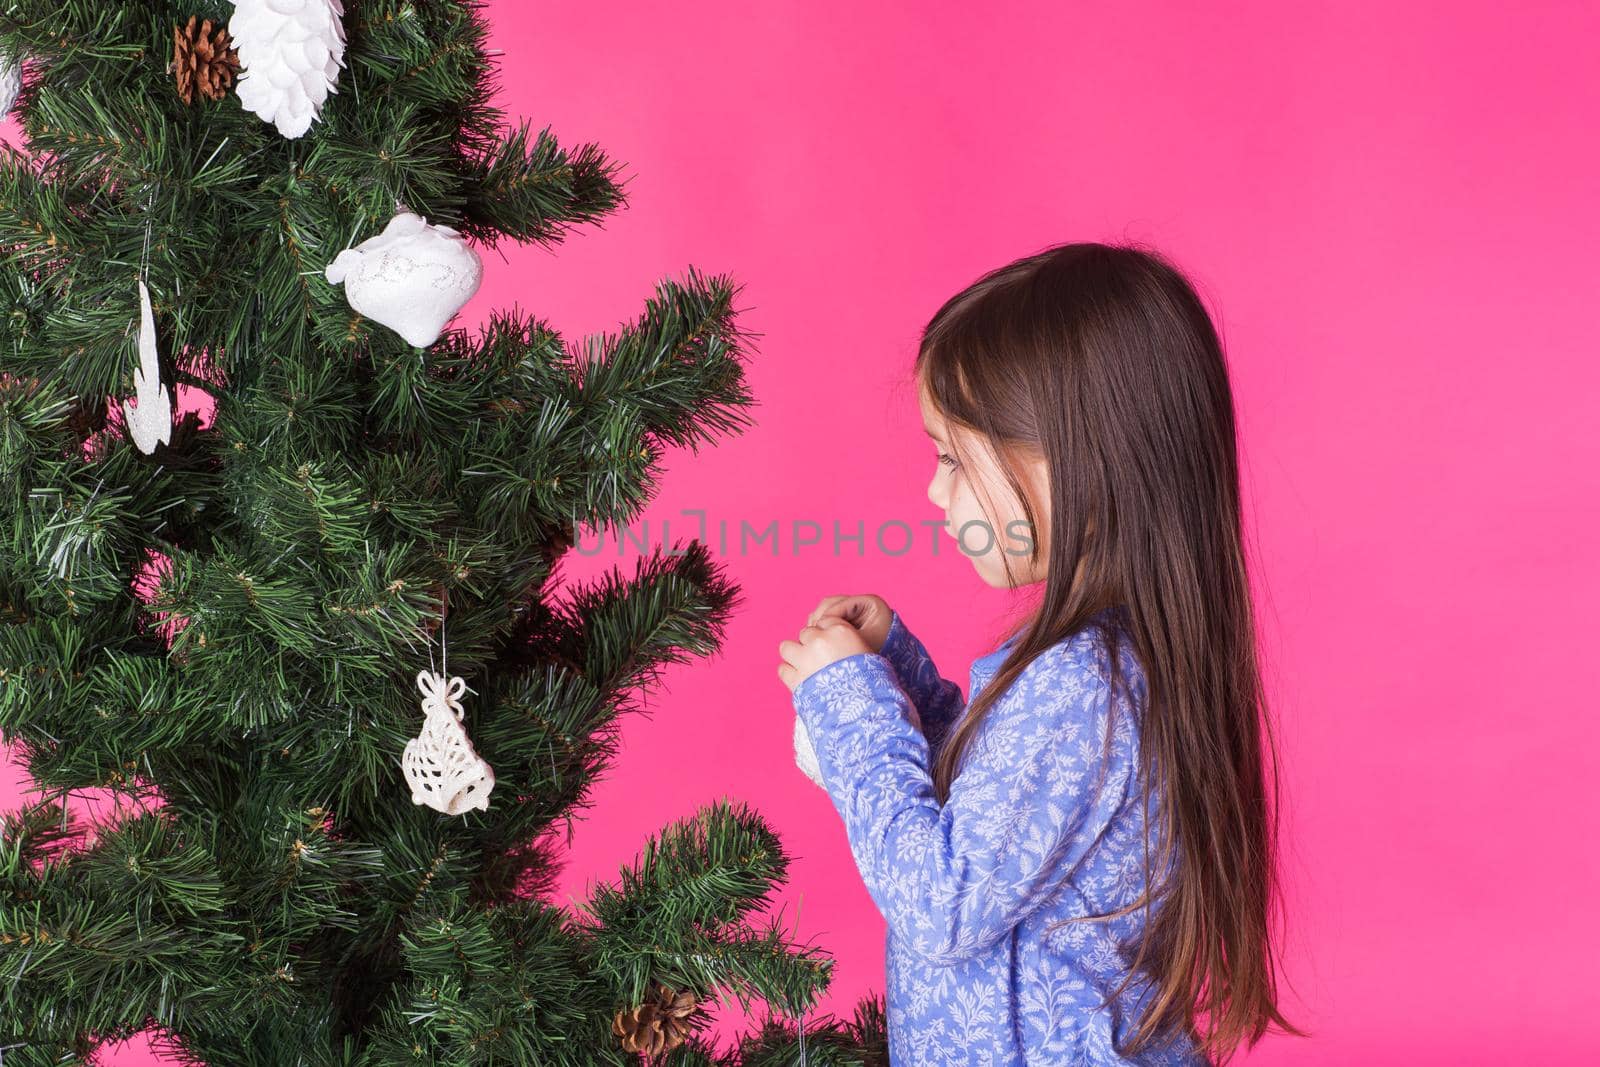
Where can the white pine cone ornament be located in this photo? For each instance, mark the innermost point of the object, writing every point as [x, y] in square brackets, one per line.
[290, 54]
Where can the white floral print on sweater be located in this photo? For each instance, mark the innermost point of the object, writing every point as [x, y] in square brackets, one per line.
[1025, 840]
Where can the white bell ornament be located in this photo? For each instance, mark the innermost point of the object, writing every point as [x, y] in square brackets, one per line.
[413, 277]
[440, 765]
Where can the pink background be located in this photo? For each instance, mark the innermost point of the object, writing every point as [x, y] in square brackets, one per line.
[1391, 211]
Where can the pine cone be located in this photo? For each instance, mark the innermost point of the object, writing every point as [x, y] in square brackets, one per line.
[659, 1025]
[556, 545]
[203, 58]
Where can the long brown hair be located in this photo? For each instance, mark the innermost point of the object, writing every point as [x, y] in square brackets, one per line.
[1103, 360]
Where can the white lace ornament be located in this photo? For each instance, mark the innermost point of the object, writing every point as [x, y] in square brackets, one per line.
[151, 420]
[441, 766]
[412, 277]
[290, 54]
[805, 754]
[805, 757]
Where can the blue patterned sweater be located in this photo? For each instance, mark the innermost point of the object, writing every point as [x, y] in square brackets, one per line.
[1024, 840]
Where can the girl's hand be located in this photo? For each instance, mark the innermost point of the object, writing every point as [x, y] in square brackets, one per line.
[869, 614]
[830, 640]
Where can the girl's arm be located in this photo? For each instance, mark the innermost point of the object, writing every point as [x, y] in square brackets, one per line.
[951, 881]
[938, 700]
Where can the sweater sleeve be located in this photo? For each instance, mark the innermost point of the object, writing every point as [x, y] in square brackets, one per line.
[938, 700]
[951, 881]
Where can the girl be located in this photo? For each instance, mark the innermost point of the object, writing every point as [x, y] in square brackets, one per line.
[1078, 863]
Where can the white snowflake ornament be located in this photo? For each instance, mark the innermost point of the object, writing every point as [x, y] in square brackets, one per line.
[412, 277]
[290, 54]
[440, 765]
[151, 420]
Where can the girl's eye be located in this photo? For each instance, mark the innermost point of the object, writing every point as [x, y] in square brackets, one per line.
[947, 460]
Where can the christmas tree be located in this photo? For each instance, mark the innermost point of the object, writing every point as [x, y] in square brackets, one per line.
[315, 622]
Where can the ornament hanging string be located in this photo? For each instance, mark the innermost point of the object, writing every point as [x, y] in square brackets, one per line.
[444, 647]
[144, 257]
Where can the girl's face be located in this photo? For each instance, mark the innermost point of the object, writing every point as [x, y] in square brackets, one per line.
[965, 490]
